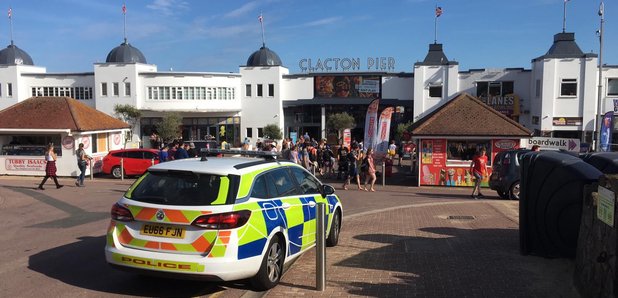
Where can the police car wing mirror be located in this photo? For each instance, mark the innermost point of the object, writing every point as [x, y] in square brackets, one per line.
[327, 190]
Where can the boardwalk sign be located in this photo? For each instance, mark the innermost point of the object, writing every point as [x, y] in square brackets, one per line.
[554, 143]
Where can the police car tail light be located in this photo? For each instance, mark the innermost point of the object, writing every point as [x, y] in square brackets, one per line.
[121, 213]
[222, 221]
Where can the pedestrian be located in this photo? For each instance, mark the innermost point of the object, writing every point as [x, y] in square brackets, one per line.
[478, 167]
[353, 173]
[536, 148]
[181, 152]
[191, 151]
[164, 154]
[392, 150]
[50, 167]
[371, 171]
[82, 162]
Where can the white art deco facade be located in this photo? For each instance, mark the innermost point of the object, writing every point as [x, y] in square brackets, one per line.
[556, 97]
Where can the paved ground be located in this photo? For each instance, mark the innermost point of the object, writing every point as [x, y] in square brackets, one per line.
[401, 241]
[438, 244]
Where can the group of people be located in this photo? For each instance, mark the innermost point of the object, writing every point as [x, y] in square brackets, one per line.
[319, 158]
[177, 150]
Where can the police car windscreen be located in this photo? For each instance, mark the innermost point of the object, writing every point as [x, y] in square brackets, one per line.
[180, 188]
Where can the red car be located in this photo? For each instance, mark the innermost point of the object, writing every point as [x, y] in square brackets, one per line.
[135, 161]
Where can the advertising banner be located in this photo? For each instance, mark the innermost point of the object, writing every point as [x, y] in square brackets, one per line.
[25, 164]
[347, 137]
[347, 86]
[384, 130]
[369, 140]
[607, 126]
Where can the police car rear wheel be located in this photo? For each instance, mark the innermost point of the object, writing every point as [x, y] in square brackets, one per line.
[272, 266]
[335, 227]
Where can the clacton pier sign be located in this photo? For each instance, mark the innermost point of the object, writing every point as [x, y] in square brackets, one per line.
[347, 64]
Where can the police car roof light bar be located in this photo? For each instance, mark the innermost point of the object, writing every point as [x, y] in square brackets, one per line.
[268, 155]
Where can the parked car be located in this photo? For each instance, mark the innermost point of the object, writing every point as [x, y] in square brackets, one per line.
[505, 174]
[135, 161]
[220, 218]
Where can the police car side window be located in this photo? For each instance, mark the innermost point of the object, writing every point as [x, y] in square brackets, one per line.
[308, 184]
[283, 182]
[259, 188]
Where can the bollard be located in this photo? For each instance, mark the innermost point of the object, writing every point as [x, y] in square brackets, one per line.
[90, 165]
[122, 169]
[383, 173]
[152, 162]
[320, 256]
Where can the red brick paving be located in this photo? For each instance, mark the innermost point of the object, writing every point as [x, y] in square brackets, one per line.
[418, 252]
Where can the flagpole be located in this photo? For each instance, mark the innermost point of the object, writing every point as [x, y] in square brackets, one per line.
[564, 16]
[124, 13]
[435, 27]
[600, 90]
[262, 25]
[11, 23]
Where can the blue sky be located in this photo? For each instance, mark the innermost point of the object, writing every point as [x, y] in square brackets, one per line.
[219, 36]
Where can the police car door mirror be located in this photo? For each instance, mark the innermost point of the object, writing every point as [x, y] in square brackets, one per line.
[327, 190]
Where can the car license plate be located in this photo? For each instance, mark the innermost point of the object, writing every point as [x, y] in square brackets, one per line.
[163, 231]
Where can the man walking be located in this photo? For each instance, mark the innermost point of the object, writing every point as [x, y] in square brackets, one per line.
[478, 168]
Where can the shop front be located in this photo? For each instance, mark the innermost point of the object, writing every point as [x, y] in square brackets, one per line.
[66, 124]
[453, 134]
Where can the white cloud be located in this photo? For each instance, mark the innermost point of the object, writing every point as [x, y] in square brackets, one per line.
[168, 7]
[321, 22]
[241, 11]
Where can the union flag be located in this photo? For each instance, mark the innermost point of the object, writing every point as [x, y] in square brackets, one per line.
[438, 11]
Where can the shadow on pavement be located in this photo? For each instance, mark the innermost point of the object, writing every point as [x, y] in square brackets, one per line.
[82, 264]
[459, 263]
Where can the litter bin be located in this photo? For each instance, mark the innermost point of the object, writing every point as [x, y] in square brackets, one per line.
[550, 206]
[388, 167]
[606, 162]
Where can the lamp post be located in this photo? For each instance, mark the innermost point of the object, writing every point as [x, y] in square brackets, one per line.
[600, 87]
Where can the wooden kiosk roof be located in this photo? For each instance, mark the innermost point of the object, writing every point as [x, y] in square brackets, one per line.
[465, 115]
[57, 113]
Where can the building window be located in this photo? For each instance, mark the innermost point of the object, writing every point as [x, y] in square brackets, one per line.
[466, 149]
[485, 90]
[249, 132]
[612, 87]
[435, 91]
[103, 89]
[116, 89]
[271, 90]
[127, 89]
[260, 92]
[568, 87]
[535, 120]
[260, 132]
[248, 90]
[9, 89]
[538, 89]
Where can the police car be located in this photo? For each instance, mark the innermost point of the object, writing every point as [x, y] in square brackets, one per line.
[220, 218]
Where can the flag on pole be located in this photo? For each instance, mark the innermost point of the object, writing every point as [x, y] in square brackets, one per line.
[370, 124]
[260, 18]
[124, 9]
[384, 130]
[10, 12]
[438, 11]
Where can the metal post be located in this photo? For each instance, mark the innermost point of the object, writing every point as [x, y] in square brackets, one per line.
[122, 169]
[320, 256]
[90, 165]
[599, 116]
[383, 173]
